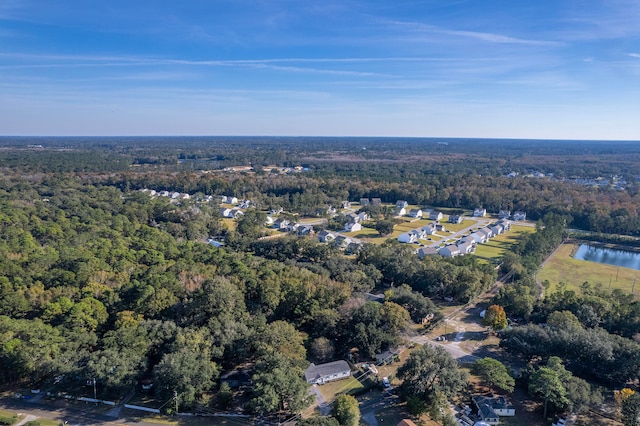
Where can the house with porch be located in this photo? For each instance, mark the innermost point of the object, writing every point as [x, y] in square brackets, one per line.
[451, 250]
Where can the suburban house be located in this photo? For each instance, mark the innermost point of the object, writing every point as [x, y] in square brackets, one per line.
[505, 224]
[504, 214]
[408, 237]
[352, 227]
[293, 226]
[454, 218]
[224, 212]
[236, 213]
[497, 230]
[353, 217]
[519, 216]
[364, 202]
[479, 212]
[319, 374]
[415, 213]
[276, 210]
[423, 252]
[468, 239]
[466, 248]
[450, 251]
[376, 201]
[479, 237]
[281, 224]
[429, 229]
[401, 204]
[363, 216]
[486, 231]
[269, 221]
[440, 228]
[326, 236]
[346, 204]
[304, 230]
[400, 211]
[490, 409]
[342, 242]
[435, 215]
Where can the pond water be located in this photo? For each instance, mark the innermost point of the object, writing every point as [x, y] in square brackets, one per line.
[623, 258]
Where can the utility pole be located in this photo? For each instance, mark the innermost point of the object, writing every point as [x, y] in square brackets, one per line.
[94, 390]
[175, 396]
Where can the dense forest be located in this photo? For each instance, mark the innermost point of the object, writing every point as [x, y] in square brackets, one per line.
[100, 281]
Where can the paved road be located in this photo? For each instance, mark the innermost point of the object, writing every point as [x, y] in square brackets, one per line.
[71, 415]
[454, 350]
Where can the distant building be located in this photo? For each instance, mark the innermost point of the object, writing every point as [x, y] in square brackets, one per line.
[479, 212]
[454, 218]
[364, 202]
[504, 214]
[415, 213]
[401, 204]
[436, 215]
[376, 201]
[352, 227]
[519, 216]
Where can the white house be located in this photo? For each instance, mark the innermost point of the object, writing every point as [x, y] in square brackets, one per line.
[232, 200]
[352, 227]
[293, 226]
[225, 212]
[479, 212]
[269, 221]
[504, 214]
[415, 213]
[346, 205]
[479, 237]
[497, 230]
[281, 224]
[305, 230]
[423, 252]
[519, 216]
[454, 218]
[429, 229]
[449, 251]
[436, 215]
[466, 248]
[401, 211]
[401, 204]
[362, 216]
[491, 409]
[407, 237]
[323, 373]
[326, 236]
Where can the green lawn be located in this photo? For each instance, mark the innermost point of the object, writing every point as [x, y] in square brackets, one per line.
[496, 246]
[455, 227]
[332, 389]
[562, 267]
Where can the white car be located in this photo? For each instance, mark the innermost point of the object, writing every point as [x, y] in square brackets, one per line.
[385, 382]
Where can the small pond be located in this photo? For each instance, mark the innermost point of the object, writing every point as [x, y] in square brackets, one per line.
[626, 259]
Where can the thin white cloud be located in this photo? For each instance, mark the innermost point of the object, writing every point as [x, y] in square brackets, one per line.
[483, 36]
[634, 55]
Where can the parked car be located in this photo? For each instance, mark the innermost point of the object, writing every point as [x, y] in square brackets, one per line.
[385, 382]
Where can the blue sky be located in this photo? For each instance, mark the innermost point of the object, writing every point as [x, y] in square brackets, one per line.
[435, 68]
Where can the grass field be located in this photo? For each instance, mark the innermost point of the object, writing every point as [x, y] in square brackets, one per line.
[332, 389]
[562, 267]
[455, 227]
[496, 246]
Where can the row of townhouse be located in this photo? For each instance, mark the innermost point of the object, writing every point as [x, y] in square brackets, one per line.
[467, 245]
[502, 214]
[223, 199]
[288, 226]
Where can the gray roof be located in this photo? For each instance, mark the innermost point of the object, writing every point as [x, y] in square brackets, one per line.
[315, 372]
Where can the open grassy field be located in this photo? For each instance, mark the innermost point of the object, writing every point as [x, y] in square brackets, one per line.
[365, 233]
[496, 246]
[562, 267]
[455, 227]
